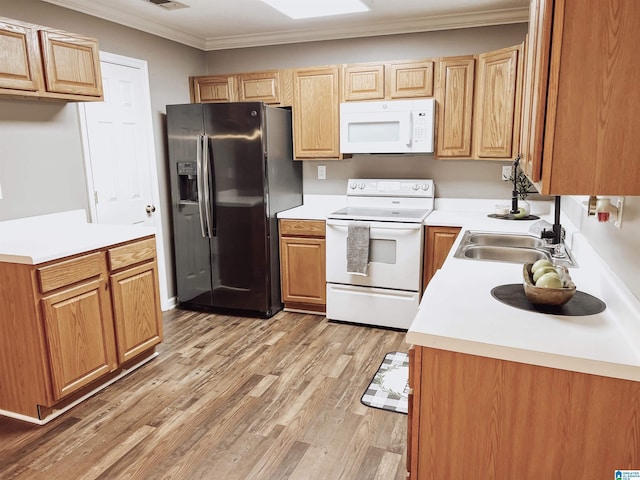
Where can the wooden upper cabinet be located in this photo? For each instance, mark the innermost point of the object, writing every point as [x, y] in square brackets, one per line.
[411, 79]
[534, 95]
[364, 82]
[271, 87]
[259, 87]
[71, 63]
[316, 113]
[454, 96]
[582, 136]
[497, 104]
[395, 80]
[20, 63]
[214, 88]
[39, 62]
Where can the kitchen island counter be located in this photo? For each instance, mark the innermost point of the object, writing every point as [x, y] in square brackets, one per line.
[40, 239]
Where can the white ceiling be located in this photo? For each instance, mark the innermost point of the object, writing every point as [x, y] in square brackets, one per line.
[223, 24]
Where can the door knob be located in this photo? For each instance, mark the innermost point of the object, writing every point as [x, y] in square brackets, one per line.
[150, 208]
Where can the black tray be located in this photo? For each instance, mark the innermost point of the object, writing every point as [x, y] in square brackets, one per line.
[511, 217]
[581, 303]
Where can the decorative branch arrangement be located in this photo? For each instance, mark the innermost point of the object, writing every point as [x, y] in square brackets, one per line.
[523, 184]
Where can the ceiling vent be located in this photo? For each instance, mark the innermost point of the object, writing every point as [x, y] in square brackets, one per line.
[168, 4]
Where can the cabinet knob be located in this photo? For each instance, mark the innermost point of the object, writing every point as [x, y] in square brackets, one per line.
[150, 208]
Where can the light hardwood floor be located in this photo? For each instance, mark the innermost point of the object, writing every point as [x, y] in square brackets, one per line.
[228, 398]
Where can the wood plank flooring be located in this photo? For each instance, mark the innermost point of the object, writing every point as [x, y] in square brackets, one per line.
[228, 398]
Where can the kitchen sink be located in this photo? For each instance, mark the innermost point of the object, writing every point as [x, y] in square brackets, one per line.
[504, 240]
[504, 254]
[509, 247]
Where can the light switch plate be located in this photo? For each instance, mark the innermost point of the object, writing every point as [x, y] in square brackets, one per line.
[322, 172]
[506, 172]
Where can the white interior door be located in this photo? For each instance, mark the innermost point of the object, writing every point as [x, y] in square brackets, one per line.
[119, 152]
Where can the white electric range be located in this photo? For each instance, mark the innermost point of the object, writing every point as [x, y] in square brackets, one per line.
[390, 214]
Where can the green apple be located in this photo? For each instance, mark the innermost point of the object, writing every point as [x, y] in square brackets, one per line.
[542, 270]
[543, 262]
[522, 212]
[549, 280]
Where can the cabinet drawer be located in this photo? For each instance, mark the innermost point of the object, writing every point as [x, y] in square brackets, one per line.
[70, 271]
[132, 253]
[311, 228]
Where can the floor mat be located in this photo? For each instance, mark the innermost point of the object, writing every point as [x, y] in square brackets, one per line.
[389, 388]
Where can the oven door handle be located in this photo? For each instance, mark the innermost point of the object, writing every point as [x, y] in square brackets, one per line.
[377, 225]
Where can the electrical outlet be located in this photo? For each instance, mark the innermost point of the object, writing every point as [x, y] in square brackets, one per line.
[322, 172]
[506, 172]
[0, 192]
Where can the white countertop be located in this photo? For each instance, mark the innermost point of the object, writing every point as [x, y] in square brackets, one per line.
[458, 313]
[315, 207]
[44, 238]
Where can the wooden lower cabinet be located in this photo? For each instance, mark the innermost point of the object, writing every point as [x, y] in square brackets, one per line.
[303, 265]
[69, 324]
[437, 244]
[490, 419]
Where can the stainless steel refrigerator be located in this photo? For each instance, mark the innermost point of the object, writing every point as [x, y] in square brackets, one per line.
[232, 171]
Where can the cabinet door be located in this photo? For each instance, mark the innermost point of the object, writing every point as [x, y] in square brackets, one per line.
[410, 80]
[497, 97]
[20, 68]
[454, 95]
[364, 82]
[439, 241]
[303, 270]
[79, 335]
[534, 95]
[220, 88]
[591, 139]
[413, 414]
[71, 63]
[259, 87]
[316, 113]
[136, 308]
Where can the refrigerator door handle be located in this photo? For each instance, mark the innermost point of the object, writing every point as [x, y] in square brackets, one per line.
[210, 179]
[200, 184]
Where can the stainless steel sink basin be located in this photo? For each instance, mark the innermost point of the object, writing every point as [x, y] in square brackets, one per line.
[508, 247]
[504, 240]
[504, 254]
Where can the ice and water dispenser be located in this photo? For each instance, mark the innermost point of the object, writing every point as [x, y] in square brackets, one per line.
[188, 181]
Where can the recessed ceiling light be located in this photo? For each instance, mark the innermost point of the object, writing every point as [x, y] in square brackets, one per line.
[317, 8]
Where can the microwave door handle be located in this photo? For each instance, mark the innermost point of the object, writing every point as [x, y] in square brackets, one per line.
[409, 130]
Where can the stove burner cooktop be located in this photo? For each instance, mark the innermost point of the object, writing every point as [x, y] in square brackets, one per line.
[381, 214]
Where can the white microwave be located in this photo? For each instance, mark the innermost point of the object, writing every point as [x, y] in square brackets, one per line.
[394, 126]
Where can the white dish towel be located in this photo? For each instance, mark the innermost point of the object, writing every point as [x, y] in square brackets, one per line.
[358, 248]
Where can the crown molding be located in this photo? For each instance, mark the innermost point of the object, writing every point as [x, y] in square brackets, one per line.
[414, 25]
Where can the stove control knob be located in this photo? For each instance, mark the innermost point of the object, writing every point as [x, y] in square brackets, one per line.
[415, 186]
[361, 186]
[352, 186]
[425, 186]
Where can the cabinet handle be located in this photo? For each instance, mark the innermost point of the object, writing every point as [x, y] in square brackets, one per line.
[150, 208]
